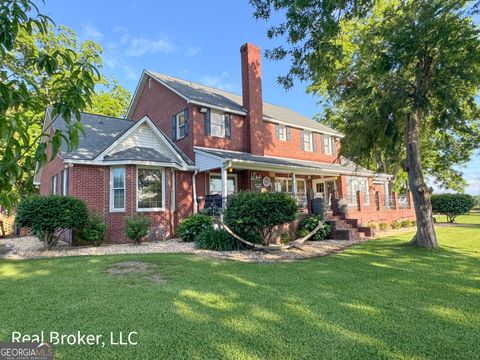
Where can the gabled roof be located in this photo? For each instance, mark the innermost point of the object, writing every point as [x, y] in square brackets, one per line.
[102, 133]
[228, 101]
[138, 153]
[346, 168]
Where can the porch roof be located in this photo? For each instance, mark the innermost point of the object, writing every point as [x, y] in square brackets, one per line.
[208, 158]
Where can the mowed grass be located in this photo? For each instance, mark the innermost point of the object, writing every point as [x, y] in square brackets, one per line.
[380, 299]
[461, 219]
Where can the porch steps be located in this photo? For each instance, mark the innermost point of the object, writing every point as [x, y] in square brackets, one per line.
[346, 229]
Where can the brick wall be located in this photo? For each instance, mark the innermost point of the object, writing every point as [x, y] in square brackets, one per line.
[293, 147]
[50, 169]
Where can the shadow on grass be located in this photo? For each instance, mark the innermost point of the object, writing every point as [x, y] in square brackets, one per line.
[375, 300]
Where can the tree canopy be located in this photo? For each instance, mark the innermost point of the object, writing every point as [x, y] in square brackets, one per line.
[43, 65]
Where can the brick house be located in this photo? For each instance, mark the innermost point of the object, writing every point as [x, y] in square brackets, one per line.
[182, 141]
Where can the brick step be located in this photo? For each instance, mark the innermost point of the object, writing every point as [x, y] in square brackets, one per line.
[339, 224]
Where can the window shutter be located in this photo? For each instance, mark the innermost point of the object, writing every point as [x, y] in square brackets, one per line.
[314, 142]
[289, 133]
[334, 148]
[174, 128]
[277, 131]
[185, 113]
[206, 117]
[228, 126]
[302, 139]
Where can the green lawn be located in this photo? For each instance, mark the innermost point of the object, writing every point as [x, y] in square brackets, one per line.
[461, 219]
[380, 299]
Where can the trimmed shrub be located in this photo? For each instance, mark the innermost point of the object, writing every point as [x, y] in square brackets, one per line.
[405, 223]
[372, 225]
[414, 223]
[94, 230]
[396, 225]
[49, 216]
[253, 216]
[137, 228]
[383, 226]
[192, 226]
[452, 205]
[218, 240]
[311, 222]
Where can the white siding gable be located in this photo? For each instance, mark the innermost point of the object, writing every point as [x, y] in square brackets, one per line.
[145, 137]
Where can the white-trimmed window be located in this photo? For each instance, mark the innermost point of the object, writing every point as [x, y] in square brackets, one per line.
[285, 185]
[64, 178]
[307, 141]
[53, 184]
[355, 184]
[117, 189]
[180, 123]
[215, 184]
[327, 144]
[150, 189]
[217, 123]
[281, 132]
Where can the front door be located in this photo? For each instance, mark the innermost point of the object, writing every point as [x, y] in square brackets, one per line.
[323, 189]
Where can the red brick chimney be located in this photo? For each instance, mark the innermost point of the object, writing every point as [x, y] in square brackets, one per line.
[252, 97]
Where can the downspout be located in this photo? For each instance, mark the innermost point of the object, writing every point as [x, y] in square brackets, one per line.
[194, 192]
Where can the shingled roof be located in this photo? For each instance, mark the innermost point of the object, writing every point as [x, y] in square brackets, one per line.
[231, 101]
[101, 132]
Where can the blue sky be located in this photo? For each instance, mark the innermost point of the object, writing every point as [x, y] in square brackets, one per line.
[195, 40]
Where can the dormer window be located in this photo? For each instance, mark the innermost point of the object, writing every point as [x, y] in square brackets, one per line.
[218, 124]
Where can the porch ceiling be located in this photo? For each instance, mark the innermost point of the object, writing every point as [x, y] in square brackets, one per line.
[207, 159]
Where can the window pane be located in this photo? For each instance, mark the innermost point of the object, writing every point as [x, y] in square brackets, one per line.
[217, 124]
[282, 132]
[300, 186]
[307, 141]
[118, 178]
[118, 199]
[149, 188]
[216, 184]
[181, 124]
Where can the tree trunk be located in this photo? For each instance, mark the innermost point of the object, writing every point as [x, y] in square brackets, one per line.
[425, 236]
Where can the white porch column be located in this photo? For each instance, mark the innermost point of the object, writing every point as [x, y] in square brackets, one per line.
[386, 191]
[223, 171]
[294, 185]
[194, 192]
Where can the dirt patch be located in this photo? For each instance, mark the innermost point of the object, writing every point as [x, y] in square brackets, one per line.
[128, 267]
[136, 267]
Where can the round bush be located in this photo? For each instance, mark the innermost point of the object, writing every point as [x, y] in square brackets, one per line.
[192, 226]
[452, 205]
[49, 216]
[218, 240]
[137, 228]
[396, 225]
[406, 223]
[311, 222]
[94, 230]
[253, 216]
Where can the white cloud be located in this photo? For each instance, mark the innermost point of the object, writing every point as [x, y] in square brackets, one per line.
[191, 51]
[118, 64]
[221, 82]
[135, 46]
[90, 32]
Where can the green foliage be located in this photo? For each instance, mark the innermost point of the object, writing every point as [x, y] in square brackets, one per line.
[405, 223]
[383, 226]
[137, 228]
[94, 230]
[452, 205]
[302, 232]
[285, 238]
[43, 66]
[372, 225]
[375, 62]
[49, 216]
[477, 201]
[254, 215]
[309, 223]
[218, 240]
[396, 225]
[112, 101]
[192, 226]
